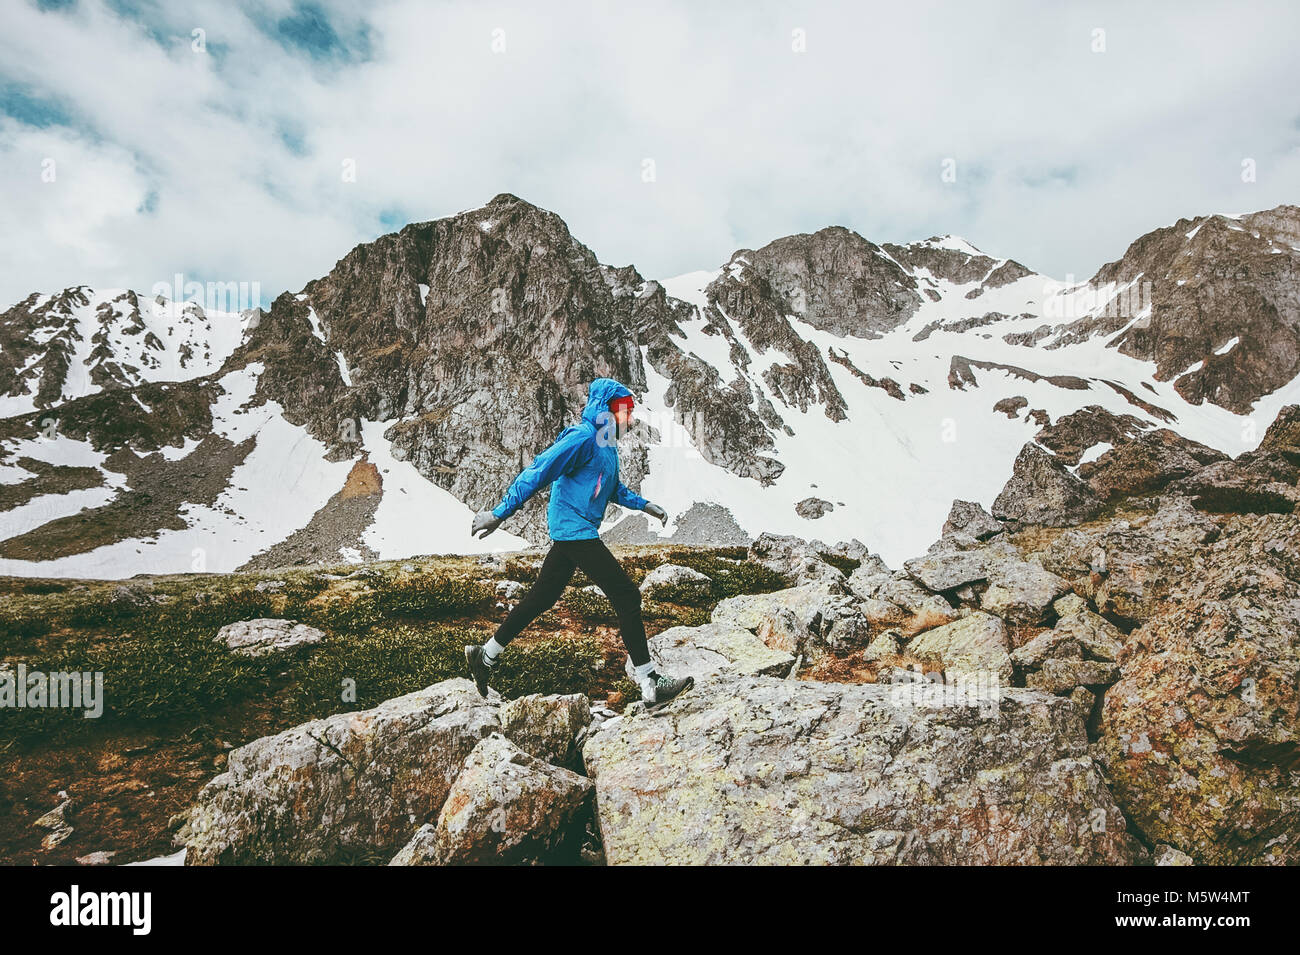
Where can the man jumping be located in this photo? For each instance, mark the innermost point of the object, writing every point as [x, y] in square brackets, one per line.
[583, 463]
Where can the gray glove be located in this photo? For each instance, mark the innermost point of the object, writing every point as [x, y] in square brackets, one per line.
[486, 522]
[654, 510]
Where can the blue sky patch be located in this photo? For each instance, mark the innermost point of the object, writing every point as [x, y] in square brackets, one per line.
[309, 30]
[24, 104]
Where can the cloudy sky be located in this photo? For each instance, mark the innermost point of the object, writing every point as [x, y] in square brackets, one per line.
[140, 139]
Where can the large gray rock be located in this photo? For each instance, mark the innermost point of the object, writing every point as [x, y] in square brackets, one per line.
[1063, 674]
[883, 614]
[1045, 646]
[546, 726]
[714, 648]
[928, 609]
[1042, 491]
[974, 647]
[1018, 590]
[1145, 464]
[758, 770]
[505, 808]
[957, 559]
[1201, 732]
[267, 635]
[1099, 638]
[970, 518]
[1129, 566]
[886, 644]
[350, 783]
[813, 508]
[677, 583]
[893, 599]
[807, 620]
[852, 549]
[784, 631]
[1021, 592]
[807, 602]
[1262, 481]
[793, 558]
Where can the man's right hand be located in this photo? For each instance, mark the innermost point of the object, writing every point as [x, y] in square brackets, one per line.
[486, 522]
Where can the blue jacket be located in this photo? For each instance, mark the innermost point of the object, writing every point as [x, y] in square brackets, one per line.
[583, 463]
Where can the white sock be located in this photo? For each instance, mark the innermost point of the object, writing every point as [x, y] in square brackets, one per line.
[492, 650]
[643, 671]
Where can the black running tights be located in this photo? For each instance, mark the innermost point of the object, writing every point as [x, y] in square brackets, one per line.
[596, 561]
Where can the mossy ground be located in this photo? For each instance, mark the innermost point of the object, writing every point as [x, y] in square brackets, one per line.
[175, 702]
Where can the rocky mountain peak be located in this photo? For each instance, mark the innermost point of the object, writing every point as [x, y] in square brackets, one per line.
[1214, 301]
[833, 279]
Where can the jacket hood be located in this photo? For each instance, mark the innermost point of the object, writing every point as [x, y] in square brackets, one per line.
[601, 392]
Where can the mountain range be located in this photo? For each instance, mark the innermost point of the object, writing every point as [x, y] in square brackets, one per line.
[823, 385]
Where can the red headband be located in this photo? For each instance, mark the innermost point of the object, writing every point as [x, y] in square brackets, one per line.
[624, 401]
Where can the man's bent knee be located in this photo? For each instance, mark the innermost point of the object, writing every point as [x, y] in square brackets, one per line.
[627, 596]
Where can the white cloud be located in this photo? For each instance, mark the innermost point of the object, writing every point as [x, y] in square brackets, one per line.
[1063, 155]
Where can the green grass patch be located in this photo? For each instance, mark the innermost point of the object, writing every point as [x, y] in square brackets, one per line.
[21, 623]
[418, 598]
[847, 565]
[680, 616]
[172, 674]
[589, 605]
[391, 662]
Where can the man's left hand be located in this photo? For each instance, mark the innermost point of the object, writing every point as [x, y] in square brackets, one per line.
[654, 510]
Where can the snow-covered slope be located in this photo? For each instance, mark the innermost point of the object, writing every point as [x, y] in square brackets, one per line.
[892, 466]
[55, 348]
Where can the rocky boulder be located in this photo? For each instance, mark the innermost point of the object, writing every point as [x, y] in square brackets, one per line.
[265, 636]
[807, 602]
[972, 648]
[793, 558]
[1128, 566]
[1097, 637]
[349, 783]
[1146, 464]
[1080, 634]
[1062, 675]
[677, 584]
[803, 620]
[852, 549]
[812, 508]
[1041, 491]
[894, 599]
[1018, 590]
[1262, 481]
[970, 518]
[955, 560]
[1254, 483]
[1021, 592]
[546, 726]
[1201, 733]
[505, 808]
[1074, 434]
[714, 648]
[758, 770]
